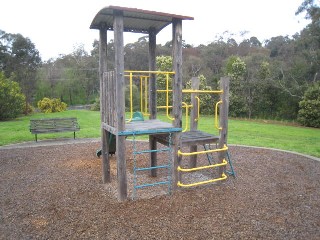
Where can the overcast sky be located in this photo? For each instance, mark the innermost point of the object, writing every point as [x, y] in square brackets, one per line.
[57, 26]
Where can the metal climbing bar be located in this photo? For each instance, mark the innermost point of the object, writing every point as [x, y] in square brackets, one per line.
[149, 151]
[216, 124]
[151, 184]
[224, 163]
[136, 169]
[150, 168]
[210, 160]
[141, 74]
[231, 172]
[223, 177]
[225, 148]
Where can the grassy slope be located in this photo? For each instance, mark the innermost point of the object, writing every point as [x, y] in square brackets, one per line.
[293, 138]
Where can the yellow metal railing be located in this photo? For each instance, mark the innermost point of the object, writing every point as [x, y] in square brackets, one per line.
[224, 163]
[187, 119]
[216, 124]
[144, 96]
[223, 177]
[225, 148]
[144, 109]
[197, 119]
[131, 101]
[167, 97]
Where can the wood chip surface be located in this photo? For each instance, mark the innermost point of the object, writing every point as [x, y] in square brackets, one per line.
[56, 192]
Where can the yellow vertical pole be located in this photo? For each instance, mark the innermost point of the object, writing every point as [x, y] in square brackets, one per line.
[141, 99]
[146, 94]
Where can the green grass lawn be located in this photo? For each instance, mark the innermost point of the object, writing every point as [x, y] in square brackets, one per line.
[253, 133]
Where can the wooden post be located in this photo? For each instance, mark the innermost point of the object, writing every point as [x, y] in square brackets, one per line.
[103, 68]
[195, 82]
[152, 79]
[224, 109]
[177, 93]
[152, 96]
[120, 99]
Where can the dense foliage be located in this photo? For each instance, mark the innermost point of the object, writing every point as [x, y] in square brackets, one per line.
[47, 105]
[20, 60]
[309, 113]
[11, 99]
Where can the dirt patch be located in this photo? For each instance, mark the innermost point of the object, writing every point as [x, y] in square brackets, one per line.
[55, 192]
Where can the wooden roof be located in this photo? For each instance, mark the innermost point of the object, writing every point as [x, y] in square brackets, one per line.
[135, 20]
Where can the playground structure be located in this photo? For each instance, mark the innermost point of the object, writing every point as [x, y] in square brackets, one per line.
[112, 101]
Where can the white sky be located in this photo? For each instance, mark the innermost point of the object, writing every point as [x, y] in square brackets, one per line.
[57, 26]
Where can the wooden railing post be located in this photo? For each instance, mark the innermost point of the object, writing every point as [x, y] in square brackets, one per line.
[223, 114]
[195, 82]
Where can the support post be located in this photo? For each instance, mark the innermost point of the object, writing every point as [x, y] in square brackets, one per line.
[120, 99]
[152, 96]
[223, 114]
[177, 93]
[103, 68]
[195, 82]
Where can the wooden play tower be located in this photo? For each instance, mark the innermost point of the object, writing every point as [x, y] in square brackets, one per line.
[112, 95]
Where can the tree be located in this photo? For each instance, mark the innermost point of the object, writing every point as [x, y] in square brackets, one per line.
[11, 98]
[163, 63]
[235, 68]
[20, 58]
[309, 113]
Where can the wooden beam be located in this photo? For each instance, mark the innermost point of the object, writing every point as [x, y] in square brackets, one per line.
[223, 114]
[195, 83]
[152, 79]
[152, 97]
[103, 68]
[177, 93]
[120, 108]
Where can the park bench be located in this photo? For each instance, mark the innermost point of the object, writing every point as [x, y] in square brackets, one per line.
[52, 125]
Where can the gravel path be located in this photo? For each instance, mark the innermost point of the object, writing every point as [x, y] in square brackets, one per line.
[55, 192]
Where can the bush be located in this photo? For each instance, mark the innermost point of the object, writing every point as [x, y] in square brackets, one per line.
[47, 105]
[12, 101]
[96, 105]
[28, 109]
[309, 113]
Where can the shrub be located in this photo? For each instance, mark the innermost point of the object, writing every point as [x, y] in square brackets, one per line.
[28, 109]
[47, 105]
[96, 105]
[309, 113]
[12, 101]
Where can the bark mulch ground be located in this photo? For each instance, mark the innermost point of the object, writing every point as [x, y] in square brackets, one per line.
[56, 192]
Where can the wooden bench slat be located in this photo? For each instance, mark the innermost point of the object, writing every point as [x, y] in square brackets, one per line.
[52, 125]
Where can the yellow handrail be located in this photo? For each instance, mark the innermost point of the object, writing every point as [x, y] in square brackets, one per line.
[216, 116]
[146, 95]
[202, 91]
[194, 91]
[155, 72]
[160, 107]
[197, 119]
[187, 119]
[224, 163]
[131, 104]
[223, 177]
[167, 98]
[141, 90]
[225, 148]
